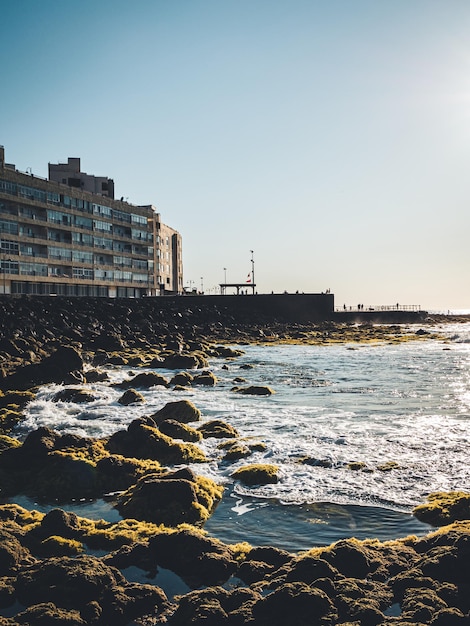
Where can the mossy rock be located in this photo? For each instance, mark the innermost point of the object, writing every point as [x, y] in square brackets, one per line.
[254, 390]
[176, 430]
[207, 379]
[444, 507]
[145, 380]
[257, 474]
[131, 396]
[9, 418]
[72, 394]
[182, 378]
[237, 451]
[56, 545]
[17, 398]
[182, 411]
[171, 498]
[8, 442]
[218, 429]
[148, 442]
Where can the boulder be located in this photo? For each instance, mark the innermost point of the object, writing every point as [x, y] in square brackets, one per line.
[218, 429]
[144, 441]
[254, 390]
[172, 498]
[131, 396]
[145, 380]
[73, 394]
[182, 411]
[176, 430]
[86, 585]
[65, 366]
[198, 559]
[444, 507]
[257, 474]
[205, 378]
[295, 603]
[182, 378]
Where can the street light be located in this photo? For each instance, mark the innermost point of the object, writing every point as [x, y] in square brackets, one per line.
[252, 272]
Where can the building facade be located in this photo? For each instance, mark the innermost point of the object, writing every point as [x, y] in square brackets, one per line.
[75, 239]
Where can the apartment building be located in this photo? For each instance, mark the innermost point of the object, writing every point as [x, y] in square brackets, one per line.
[68, 236]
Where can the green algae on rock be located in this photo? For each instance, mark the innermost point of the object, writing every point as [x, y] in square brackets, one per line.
[257, 474]
[171, 498]
[444, 507]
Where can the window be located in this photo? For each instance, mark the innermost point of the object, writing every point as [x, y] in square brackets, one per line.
[81, 256]
[31, 193]
[8, 227]
[32, 269]
[139, 219]
[82, 222]
[8, 266]
[82, 272]
[8, 187]
[8, 247]
[83, 239]
[102, 226]
[102, 242]
[59, 253]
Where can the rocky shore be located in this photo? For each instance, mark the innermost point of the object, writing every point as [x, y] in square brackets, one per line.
[58, 568]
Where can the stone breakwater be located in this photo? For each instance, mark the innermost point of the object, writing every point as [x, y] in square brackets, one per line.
[49, 569]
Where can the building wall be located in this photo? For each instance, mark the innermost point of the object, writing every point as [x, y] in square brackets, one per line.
[70, 174]
[168, 257]
[57, 239]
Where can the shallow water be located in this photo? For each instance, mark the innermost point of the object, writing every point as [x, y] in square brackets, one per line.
[401, 410]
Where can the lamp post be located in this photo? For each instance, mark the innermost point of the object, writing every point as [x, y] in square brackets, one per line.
[252, 272]
[202, 284]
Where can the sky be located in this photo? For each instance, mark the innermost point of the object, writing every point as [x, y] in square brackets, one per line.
[330, 137]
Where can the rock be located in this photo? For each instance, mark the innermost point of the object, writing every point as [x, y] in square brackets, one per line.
[350, 557]
[176, 430]
[144, 380]
[72, 394]
[144, 441]
[64, 366]
[444, 507]
[182, 411]
[131, 396]
[180, 361]
[198, 559]
[48, 614]
[95, 376]
[59, 522]
[218, 429]
[170, 499]
[254, 390]
[183, 378]
[257, 474]
[295, 603]
[18, 398]
[12, 553]
[206, 378]
[87, 585]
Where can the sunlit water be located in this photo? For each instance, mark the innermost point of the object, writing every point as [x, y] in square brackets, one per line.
[400, 410]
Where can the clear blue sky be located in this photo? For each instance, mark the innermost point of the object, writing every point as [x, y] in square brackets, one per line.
[332, 138]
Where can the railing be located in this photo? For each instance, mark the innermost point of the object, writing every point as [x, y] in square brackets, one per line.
[378, 307]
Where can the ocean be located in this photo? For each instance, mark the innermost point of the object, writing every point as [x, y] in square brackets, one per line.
[361, 434]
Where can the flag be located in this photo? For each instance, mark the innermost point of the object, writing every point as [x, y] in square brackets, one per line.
[248, 280]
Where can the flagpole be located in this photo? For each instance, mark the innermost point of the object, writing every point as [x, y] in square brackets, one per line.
[252, 272]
